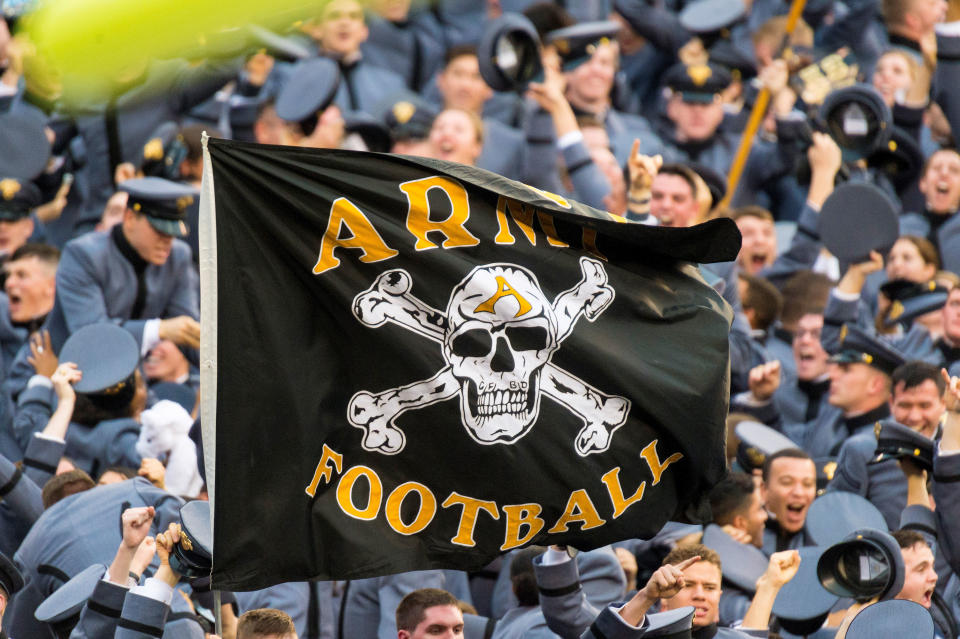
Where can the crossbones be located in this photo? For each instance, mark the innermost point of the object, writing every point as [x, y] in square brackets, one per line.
[497, 348]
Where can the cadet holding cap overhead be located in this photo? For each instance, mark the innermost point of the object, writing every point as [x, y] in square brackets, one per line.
[306, 104]
[589, 57]
[865, 464]
[845, 305]
[110, 395]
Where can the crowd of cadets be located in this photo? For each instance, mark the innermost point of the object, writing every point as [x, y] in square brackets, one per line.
[639, 111]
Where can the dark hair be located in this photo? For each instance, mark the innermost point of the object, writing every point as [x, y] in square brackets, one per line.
[523, 578]
[192, 135]
[764, 298]
[804, 293]
[916, 372]
[65, 484]
[682, 553]
[751, 210]
[929, 160]
[458, 51]
[683, 171]
[908, 538]
[127, 472]
[90, 409]
[927, 249]
[412, 608]
[269, 103]
[789, 453]
[730, 497]
[547, 17]
[264, 622]
[43, 252]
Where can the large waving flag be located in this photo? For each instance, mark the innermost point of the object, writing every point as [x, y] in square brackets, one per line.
[411, 364]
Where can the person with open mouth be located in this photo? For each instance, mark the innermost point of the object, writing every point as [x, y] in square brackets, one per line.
[789, 487]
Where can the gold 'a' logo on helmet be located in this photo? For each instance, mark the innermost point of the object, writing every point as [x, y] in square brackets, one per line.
[829, 469]
[403, 111]
[153, 150]
[183, 202]
[699, 73]
[896, 309]
[9, 188]
[755, 457]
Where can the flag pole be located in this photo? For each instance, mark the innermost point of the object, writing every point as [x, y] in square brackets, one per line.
[756, 117]
[217, 618]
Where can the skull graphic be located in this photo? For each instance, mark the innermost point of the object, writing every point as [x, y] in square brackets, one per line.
[500, 334]
[497, 337]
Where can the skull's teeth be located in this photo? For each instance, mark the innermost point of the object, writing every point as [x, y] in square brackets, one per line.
[499, 402]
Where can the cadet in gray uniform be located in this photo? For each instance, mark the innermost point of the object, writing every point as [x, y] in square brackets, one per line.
[89, 606]
[369, 605]
[408, 42]
[689, 576]
[18, 199]
[139, 275]
[309, 604]
[53, 552]
[602, 577]
[111, 394]
[147, 607]
[21, 490]
[789, 487]
[859, 387]
[339, 32]
[916, 408]
[461, 87]
[10, 582]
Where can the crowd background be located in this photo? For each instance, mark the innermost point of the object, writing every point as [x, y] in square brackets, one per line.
[841, 359]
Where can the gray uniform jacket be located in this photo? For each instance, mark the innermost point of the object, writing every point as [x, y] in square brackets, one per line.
[170, 89]
[114, 611]
[775, 540]
[883, 484]
[369, 605]
[363, 86]
[112, 442]
[946, 494]
[947, 237]
[504, 150]
[599, 571]
[294, 599]
[21, 491]
[100, 618]
[411, 49]
[96, 283]
[525, 622]
[610, 625]
[144, 618]
[78, 531]
[914, 344]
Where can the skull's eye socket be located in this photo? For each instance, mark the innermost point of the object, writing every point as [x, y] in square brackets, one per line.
[473, 343]
[527, 338]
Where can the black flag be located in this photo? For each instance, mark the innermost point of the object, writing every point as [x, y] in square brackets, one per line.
[421, 364]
